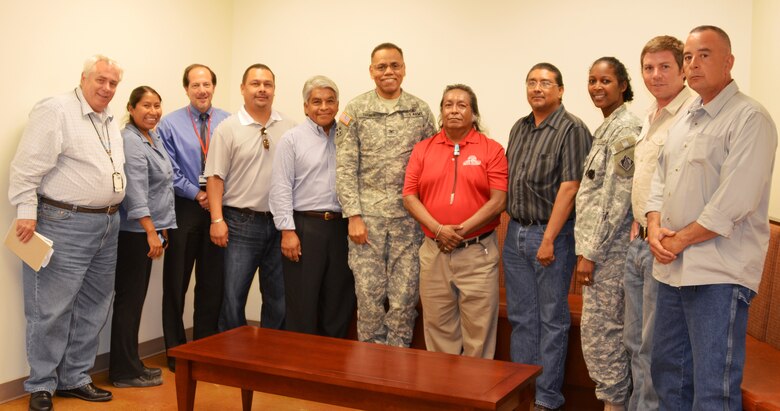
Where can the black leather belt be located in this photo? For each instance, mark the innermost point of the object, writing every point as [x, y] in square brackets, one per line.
[525, 222]
[325, 215]
[79, 209]
[642, 232]
[474, 240]
[249, 211]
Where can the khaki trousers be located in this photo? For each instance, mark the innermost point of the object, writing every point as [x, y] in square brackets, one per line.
[459, 293]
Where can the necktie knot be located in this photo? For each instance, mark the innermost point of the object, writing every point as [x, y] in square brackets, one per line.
[204, 117]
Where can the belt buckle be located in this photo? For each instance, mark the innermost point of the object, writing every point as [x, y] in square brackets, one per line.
[328, 216]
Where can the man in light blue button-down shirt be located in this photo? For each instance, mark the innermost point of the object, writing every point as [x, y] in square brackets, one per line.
[708, 229]
[186, 134]
[319, 286]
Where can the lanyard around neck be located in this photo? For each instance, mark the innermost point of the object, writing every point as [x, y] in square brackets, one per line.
[107, 143]
[204, 142]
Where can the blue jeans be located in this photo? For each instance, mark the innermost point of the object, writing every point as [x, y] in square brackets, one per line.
[699, 348]
[66, 303]
[538, 305]
[253, 242]
[641, 290]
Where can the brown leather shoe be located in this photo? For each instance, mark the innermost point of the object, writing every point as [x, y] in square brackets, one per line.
[40, 401]
[87, 392]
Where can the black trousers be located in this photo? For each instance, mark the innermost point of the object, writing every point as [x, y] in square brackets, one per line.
[133, 269]
[190, 245]
[319, 289]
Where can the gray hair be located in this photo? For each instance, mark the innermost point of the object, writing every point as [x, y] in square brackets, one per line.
[90, 63]
[318, 82]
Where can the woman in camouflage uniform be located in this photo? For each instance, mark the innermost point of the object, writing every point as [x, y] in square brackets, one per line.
[601, 232]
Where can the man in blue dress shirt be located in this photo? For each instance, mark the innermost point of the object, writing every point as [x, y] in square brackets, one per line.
[186, 134]
[318, 285]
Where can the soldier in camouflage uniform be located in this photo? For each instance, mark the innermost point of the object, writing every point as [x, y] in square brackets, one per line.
[375, 137]
[601, 232]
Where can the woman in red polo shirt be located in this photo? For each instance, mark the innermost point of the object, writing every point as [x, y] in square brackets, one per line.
[455, 186]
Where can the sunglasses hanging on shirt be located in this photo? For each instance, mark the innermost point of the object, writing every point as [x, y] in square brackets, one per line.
[266, 141]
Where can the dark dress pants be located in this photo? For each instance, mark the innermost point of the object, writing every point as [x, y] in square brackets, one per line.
[319, 288]
[133, 269]
[190, 245]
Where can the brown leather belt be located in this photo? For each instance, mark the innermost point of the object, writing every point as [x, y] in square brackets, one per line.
[105, 210]
[249, 211]
[325, 215]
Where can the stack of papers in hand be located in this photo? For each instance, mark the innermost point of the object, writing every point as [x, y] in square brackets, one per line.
[36, 253]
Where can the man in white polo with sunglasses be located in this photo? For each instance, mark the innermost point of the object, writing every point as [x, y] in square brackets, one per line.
[238, 173]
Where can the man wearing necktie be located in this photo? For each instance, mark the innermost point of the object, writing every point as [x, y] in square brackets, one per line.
[186, 134]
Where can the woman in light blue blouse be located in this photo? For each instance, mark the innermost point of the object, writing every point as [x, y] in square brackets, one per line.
[146, 214]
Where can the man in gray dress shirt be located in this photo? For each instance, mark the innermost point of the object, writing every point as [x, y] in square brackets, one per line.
[708, 228]
[67, 180]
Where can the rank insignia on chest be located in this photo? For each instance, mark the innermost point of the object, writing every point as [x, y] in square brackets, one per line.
[626, 163]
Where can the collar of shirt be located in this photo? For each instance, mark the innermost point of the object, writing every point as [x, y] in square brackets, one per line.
[553, 120]
[194, 112]
[245, 119]
[319, 130]
[86, 109]
[137, 132]
[471, 138]
[376, 105]
[670, 110]
[713, 107]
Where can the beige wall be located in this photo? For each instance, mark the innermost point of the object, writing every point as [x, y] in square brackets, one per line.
[44, 45]
[489, 46]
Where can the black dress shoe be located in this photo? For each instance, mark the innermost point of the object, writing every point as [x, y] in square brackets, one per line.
[172, 364]
[140, 381]
[87, 392]
[40, 401]
[152, 372]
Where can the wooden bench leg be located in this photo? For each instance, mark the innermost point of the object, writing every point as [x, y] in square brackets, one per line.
[185, 385]
[246, 399]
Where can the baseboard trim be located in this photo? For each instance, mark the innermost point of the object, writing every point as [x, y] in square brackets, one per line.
[12, 390]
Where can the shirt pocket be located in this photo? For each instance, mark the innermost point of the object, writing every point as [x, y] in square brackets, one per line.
[705, 148]
[595, 166]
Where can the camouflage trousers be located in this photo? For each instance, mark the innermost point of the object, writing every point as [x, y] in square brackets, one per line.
[602, 331]
[387, 271]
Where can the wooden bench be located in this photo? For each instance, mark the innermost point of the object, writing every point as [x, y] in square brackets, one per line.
[761, 378]
[349, 373]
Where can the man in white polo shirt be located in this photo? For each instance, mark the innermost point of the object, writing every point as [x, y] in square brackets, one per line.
[238, 169]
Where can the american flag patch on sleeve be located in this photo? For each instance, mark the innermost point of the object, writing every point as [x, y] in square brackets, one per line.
[345, 118]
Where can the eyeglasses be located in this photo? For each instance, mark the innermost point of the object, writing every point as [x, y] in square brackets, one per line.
[392, 66]
[545, 84]
[266, 142]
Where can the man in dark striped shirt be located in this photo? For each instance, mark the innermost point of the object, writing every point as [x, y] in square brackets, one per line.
[546, 153]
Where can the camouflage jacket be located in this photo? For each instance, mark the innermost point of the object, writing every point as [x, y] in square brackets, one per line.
[372, 149]
[604, 198]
